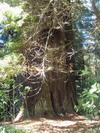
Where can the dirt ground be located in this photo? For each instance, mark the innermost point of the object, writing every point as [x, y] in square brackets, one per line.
[69, 124]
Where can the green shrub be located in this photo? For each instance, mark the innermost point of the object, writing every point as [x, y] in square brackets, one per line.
[10, 129]
[89, 101]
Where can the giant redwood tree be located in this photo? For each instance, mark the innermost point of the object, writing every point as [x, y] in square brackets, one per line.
[48, 53]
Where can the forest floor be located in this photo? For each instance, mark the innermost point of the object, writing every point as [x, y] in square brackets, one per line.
[69, 124]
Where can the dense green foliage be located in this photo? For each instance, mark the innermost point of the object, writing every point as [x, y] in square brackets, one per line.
[9, 129]
[89, 91]
[12, 2]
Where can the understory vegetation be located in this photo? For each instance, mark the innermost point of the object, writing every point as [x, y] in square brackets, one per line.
[9, 129]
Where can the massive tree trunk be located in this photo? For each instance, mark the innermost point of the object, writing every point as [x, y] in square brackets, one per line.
[52, 59]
